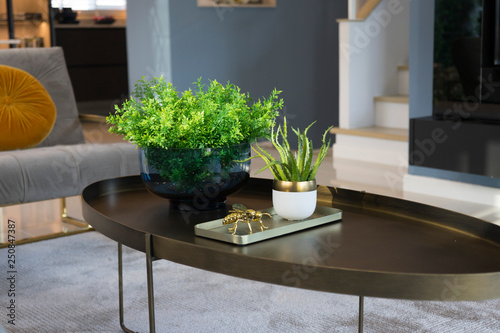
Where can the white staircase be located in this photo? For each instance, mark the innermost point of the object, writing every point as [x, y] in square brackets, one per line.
[386, 141]
[373, 93]
[379, 152]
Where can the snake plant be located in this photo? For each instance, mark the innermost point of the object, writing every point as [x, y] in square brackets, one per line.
[292, 166]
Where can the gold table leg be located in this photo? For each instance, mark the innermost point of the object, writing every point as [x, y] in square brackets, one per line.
[151, 296]
[120, 289]
[149, 269]
[361, 310]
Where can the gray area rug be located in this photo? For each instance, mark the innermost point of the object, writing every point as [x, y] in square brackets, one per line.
[70, 284]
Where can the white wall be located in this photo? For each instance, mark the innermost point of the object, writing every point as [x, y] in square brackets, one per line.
[369, 54]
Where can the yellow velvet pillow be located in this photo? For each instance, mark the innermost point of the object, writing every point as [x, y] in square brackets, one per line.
[27, 113]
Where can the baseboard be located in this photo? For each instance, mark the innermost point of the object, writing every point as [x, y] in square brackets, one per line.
[452, 190]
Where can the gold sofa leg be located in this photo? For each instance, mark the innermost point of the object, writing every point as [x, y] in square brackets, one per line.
[82, 225]
[67, 219]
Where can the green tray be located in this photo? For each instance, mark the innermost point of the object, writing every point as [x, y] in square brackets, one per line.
[277, 226]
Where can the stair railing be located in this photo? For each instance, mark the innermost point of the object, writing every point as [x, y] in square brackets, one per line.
[361, 9]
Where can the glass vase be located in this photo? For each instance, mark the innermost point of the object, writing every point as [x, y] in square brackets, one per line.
[195, 179]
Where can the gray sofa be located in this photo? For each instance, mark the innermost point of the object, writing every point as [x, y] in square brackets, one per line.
[63, 164]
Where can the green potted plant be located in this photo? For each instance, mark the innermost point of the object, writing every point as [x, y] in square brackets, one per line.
[294, 185]
[192, 143]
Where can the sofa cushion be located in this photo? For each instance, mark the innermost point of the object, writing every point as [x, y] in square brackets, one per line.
[62, 171]
[48, 66]
[27, 113]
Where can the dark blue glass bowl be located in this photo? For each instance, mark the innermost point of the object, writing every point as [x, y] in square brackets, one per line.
[195, 179]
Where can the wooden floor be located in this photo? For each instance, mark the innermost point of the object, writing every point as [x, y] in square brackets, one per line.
[41, 219]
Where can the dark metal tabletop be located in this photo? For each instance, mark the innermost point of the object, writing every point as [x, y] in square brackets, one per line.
[383, 247]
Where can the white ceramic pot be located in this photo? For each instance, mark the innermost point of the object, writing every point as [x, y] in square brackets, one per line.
[294, 200]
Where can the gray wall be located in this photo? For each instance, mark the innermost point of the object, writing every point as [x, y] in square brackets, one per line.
[148, 39]
[293, 47]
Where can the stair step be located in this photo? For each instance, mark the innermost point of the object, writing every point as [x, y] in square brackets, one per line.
[349, 173]
[373, 144]
[377, 132]
[392, 111]
[402, 99]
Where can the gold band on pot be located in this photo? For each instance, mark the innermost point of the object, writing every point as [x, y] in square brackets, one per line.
[287, 186]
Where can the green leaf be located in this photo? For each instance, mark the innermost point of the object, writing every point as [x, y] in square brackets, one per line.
[294, 166]
[211, 115]
[268, 165]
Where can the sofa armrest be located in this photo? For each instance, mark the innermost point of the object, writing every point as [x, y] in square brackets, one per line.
[61, 171]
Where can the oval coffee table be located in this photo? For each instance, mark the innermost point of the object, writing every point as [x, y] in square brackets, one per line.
[383, 247]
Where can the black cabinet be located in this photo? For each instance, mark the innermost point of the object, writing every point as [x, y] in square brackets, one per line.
[463, 134]
[457, 145]
[97, 61]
